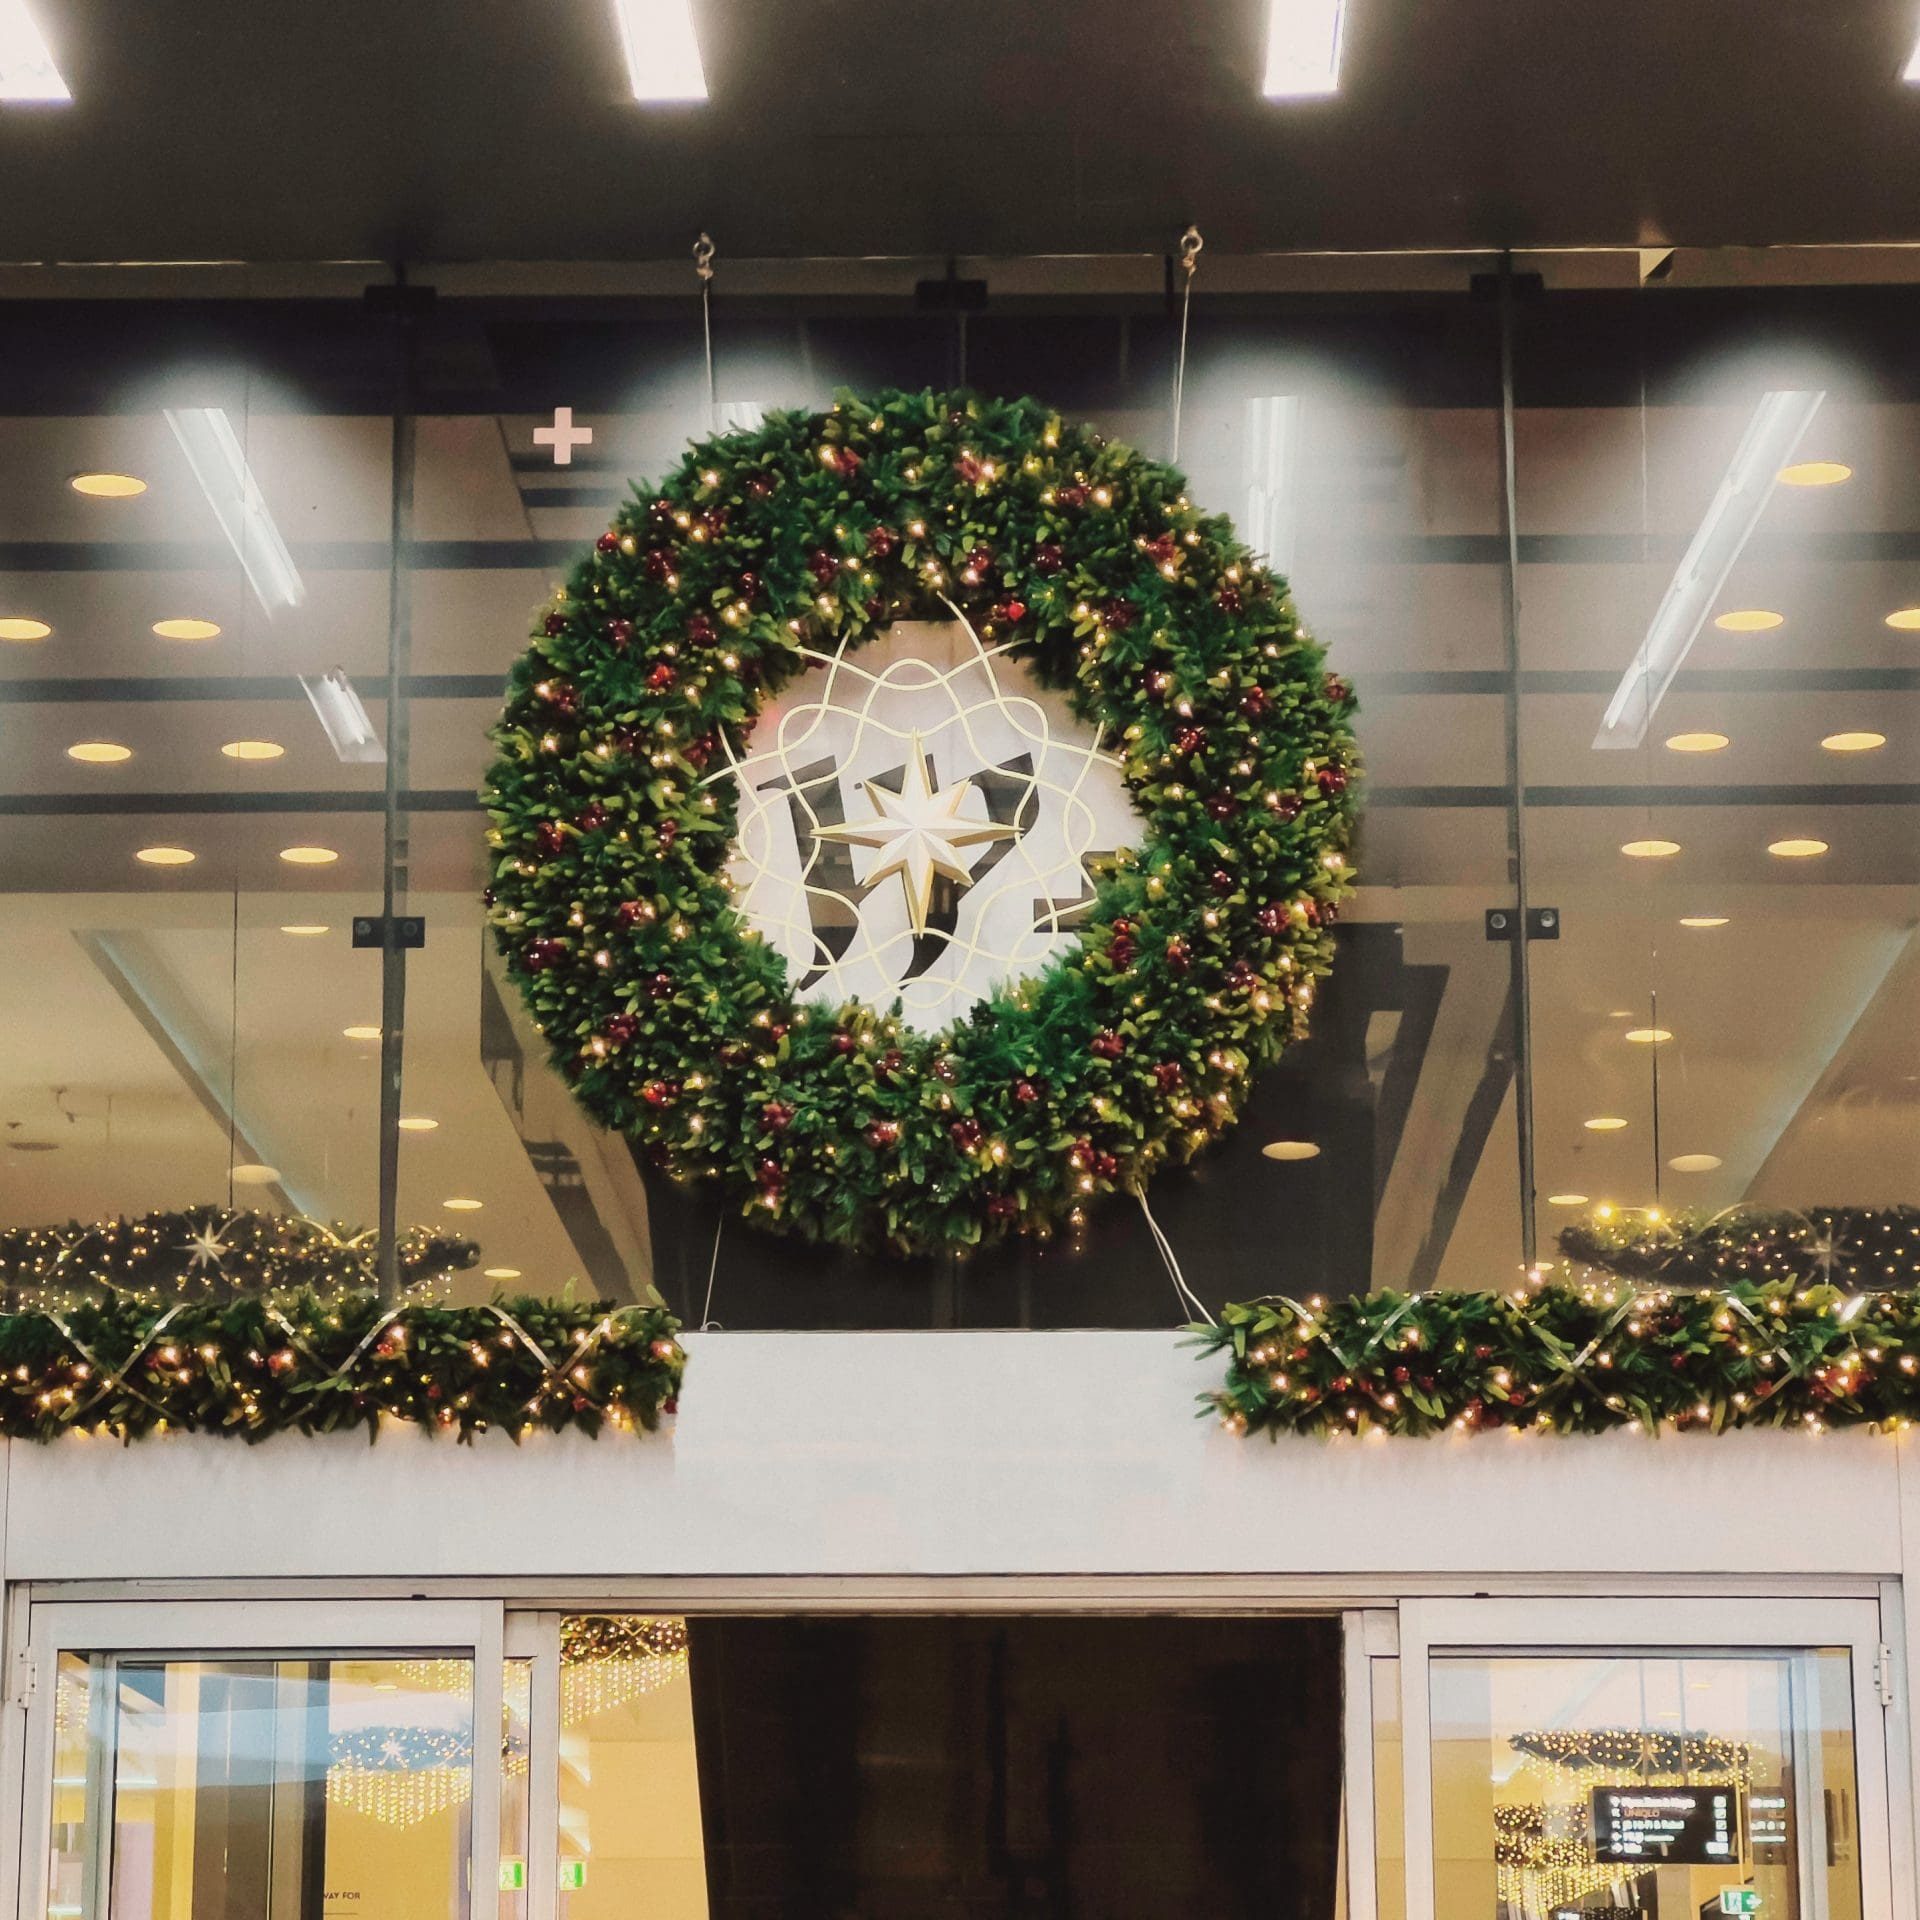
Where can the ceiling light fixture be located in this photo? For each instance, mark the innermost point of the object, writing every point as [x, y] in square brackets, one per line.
[28, 76]
[501, 1273]
[23, 630]
[1765, 447]
[1853, 742]
[1696, 742]
[463, 1206]
[207, 438]
[106, 486]
[1291, 1150]
[1650, 849]
[361, 1033]
[1694, 1162]
[1648, 1036]
[100, 753]
[1904, 619]
[1814, 473]
[1796, 849]
[308, 856]
[343, 716]
[1566, 1199]
[253, 750]
[1703, 919]
[1303, 48]
[662, 51]
[1604, 1123]
[250, 1173]
[166, 856]
[187, 629]
[417, 1123]
[306, 933]
[1749, 620]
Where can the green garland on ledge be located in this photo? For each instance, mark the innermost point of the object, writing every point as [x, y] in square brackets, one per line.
[1569, 1360]
[1832, 1246]
[206, 1253]
[256, 1367]
[614, 821]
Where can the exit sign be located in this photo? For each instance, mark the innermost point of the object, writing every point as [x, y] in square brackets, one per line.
[513, 1876]
[1739, 1900]
[573, 1875]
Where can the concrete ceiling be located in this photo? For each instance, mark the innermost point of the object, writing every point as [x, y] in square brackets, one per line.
[494, 130]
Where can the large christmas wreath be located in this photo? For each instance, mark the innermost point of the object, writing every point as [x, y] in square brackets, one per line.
[614, 820]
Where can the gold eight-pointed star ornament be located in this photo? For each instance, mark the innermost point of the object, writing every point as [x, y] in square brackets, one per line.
[919, 833]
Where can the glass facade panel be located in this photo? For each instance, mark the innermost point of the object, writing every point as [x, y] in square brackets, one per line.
[1737, 1014]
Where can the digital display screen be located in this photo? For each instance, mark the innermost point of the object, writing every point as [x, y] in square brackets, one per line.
[1666, 1826]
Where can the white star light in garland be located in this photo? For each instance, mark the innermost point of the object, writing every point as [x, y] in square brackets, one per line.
[206, 1249]
[919, 833]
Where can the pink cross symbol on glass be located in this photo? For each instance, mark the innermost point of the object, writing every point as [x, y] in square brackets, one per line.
[563, 436]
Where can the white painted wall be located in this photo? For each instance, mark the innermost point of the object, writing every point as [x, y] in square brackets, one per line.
[956, 1453]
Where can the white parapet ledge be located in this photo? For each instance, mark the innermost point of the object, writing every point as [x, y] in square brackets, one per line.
[944, 1454]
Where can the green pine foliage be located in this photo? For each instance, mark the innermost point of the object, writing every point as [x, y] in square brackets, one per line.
[1569, 1359]
[614, 819]
[254, 1367]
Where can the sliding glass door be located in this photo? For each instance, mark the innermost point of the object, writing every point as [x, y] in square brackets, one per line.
[264, 1761]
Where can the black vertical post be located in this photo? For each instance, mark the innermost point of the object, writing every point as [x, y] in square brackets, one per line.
[393, 959]
[1522, 988]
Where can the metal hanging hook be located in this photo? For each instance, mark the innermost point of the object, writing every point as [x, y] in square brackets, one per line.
[703, 252]
[1190, 244]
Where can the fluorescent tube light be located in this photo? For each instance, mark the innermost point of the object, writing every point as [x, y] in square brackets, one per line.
[1766, 446]
[27, 72]
[1303, 48]
[206, 437]
[346, 721]
[663, 57]
[1271, 473]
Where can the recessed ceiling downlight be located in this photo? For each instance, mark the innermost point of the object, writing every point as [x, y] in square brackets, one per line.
[1703, 919]
[501, 1273]
[1291, 1150]
[1694, 1162]
[1905, 619]
[18, 628]
[185, 629]
[99, 753]
[166, 856]
[1566, 1199]
[251, 1173]
[1604, 1123]
[253, 749]
[1814, 473]
[1862, 742]
[417, 1123]
[1648, 1036]
[460, 1204]
[1696, 742]
[1650, 849]
[107, 486]
[308, 856]
[1796, 849]
[1748, 620]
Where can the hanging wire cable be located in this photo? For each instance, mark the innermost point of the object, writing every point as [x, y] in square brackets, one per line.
[1182, 1292]
[1190, 245]
[707, 1323]
[703, 251]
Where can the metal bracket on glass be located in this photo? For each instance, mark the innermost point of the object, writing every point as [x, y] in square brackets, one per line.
[1543, 923]
[409, 930]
